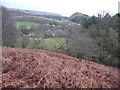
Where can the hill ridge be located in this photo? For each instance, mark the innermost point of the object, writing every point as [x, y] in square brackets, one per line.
[34, 12]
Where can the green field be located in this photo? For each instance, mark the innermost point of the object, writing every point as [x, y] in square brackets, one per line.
[27, 23]
[52, 43]
[48, 43]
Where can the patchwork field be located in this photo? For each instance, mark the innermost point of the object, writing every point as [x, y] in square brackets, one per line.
[37, 19]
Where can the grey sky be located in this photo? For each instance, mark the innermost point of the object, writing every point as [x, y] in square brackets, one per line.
[65, 7]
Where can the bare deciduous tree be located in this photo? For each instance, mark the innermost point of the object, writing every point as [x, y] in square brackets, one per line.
[9, 30]
[80, 44]
[39, 32]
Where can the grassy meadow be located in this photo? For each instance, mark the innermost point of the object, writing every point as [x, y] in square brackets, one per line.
[47, 43]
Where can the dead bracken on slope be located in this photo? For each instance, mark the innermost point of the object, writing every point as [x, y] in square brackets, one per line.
[26, 68]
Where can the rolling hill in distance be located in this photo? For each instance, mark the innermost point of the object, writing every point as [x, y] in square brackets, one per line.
[20, 12]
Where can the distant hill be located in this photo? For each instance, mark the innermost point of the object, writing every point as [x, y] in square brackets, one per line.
[20, 12]
[31, 16]
[35, 16]
[78, 17]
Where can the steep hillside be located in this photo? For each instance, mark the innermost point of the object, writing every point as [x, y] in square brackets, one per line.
[45, 68]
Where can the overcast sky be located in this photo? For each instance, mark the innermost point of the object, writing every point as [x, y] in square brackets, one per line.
[65, 7]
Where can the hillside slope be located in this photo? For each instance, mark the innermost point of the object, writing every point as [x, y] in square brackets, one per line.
[45, 68]
[20, 12]
[38, 20]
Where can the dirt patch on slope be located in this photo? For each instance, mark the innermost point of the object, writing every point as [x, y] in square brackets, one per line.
[50, 69]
